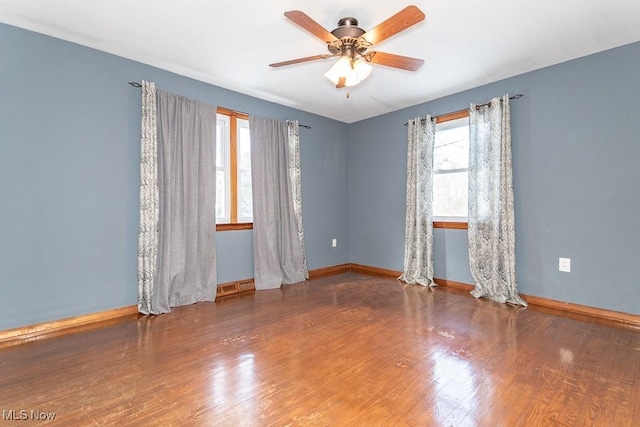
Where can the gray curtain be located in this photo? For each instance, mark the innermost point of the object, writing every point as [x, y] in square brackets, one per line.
[185, 267]
[149, 202]
[418, 244]
[277, 249]
[186, 179]
[491, 212]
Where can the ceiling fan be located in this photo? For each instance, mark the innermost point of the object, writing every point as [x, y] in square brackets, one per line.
[351, 43]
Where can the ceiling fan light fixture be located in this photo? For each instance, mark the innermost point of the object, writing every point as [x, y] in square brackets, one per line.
[362, 68]
[340, 69]
[350, 73]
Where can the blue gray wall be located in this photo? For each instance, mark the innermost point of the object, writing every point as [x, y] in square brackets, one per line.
[69, 165]
[69, 144]
[576, 160]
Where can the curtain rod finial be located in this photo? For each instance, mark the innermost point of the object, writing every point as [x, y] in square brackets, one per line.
[135, 84]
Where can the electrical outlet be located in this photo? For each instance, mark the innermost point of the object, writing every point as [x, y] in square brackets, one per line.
[564, 265]
[334, 243]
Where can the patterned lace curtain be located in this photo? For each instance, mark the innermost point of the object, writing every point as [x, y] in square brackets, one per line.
[296, 186]
[418, 244]
[491, 213]
[149, 201]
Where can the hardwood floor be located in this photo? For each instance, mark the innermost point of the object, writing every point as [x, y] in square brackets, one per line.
[348, 349]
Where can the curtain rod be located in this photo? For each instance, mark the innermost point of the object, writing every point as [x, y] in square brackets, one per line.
[138, 85]
[302, 126]
[517, 96]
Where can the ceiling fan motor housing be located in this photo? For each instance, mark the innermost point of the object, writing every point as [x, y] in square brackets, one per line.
[348, 34]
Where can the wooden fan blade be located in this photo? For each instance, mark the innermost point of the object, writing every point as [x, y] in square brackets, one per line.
[395, 61]
[310, 25]
[400, 21]
[299, 60]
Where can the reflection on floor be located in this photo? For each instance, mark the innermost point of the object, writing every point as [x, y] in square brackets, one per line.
[348, 349]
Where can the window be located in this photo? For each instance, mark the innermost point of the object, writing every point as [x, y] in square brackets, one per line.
[234, 208]
[451, 170]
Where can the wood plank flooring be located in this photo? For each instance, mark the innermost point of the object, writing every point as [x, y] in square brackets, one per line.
[343, 350]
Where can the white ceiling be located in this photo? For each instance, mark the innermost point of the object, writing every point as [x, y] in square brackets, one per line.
[230, 43]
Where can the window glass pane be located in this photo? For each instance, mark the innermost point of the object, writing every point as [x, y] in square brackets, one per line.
[451, 148]
[450, 194]
[222, 140]
[450, 166]
[244, 145]
[221, 197]
[223, 191]
[219, 142]
[245, 208]
[245, 205]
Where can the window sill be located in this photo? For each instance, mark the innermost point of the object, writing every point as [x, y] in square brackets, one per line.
[451, 225]
[237, 226]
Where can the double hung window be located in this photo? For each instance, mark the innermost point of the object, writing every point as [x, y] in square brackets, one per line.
[451, 171]
[234, 208]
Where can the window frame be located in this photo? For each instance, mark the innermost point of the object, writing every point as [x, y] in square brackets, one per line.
[233, 223]
[450, 224]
